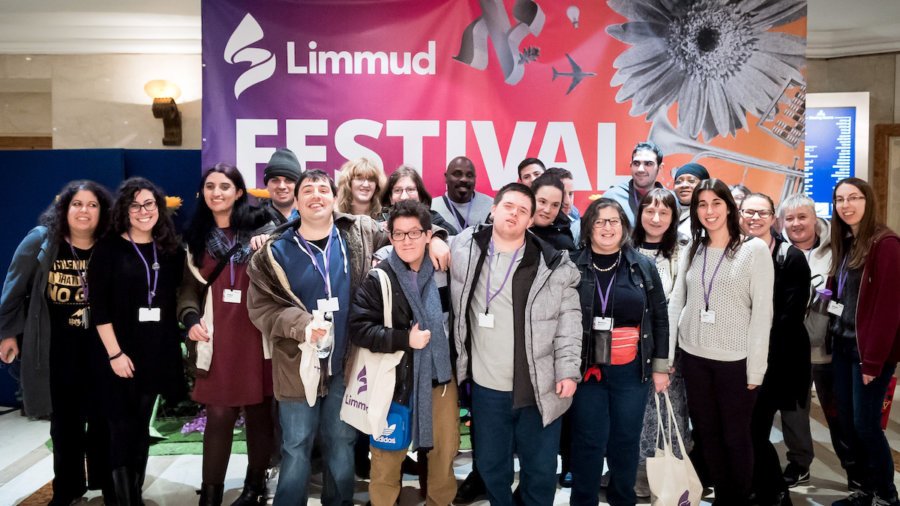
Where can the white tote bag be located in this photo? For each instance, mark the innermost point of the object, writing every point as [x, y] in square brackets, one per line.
[673, 481]
[368, 396]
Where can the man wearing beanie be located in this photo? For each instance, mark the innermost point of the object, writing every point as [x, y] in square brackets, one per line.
[281, 176]
[687, 177]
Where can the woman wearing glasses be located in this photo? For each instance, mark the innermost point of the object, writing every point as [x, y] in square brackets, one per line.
[214, 310]
[625, 345]
[133, 306]
[359, 188]
[405, 183]
[786, 384]
[45, 303]
[720, 313]
[865, 326]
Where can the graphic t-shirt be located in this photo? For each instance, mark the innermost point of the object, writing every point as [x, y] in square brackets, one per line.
[66, 289]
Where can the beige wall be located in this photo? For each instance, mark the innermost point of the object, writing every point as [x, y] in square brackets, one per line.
[877, 74]
[97, 101]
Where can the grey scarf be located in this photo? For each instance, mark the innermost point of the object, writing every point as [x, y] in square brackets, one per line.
[433, 361]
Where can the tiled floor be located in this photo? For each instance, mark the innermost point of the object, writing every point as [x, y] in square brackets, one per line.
[26, 466]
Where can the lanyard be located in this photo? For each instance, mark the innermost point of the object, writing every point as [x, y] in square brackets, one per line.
[82, 275]
[842, 277]
[488, 296]
[708, 291]
[151, 291]
[604, 299]
[326, 273]
[457, 215]
[230, 245]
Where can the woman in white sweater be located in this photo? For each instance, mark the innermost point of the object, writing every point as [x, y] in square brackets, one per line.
[720, 314]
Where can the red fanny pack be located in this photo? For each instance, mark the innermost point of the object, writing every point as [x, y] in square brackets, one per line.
[624, 345]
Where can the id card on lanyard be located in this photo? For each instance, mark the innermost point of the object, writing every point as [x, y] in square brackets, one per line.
[834, 307]
[706, 315]
[230, 295]
[329, 304]
[486, 319]
[149, 313]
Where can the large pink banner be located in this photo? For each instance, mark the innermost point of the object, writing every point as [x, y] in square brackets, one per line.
[574, 83]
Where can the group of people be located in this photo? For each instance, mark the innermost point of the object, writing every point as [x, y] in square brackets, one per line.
[555, 328]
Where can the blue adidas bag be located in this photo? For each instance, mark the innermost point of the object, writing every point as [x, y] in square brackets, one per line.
[398, 433]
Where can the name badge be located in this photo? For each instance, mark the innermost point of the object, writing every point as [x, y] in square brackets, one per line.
[486, 320]
[707, 316]
[329, 305]
[148, 314]
[231, 296]
[601, 323]
[835, 308]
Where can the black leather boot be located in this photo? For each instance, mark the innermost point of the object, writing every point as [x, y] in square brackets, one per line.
[211, 495]
[123, 483]
[254, 493]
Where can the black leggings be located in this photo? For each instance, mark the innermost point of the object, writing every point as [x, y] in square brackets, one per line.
[129, 433]
[219, 435]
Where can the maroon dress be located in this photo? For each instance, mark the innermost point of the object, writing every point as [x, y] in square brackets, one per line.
[239, 375]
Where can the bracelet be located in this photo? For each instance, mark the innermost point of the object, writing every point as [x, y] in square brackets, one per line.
[117, 355]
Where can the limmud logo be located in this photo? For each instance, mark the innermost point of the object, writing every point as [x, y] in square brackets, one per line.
[361, 62]
[363, 382]
[353, 403]
[238, 50]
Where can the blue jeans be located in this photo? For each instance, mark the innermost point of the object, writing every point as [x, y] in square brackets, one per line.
[859, 413]
[503, 431]
[607, 420]
[300, 424]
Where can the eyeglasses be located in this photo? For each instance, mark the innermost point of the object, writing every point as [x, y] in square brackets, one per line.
[412, 234]
[135, 208]
[762, 213]
[613, 222]
[645, 163]
[852, 199]
[412, 190]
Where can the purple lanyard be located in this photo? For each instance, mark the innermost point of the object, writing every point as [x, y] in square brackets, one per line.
[230, 245]
[151, 292]
[326, 273]
[842, 278]
[708, 291]
[604, 299]
[458, 215]
[82, 275]
[488, 296]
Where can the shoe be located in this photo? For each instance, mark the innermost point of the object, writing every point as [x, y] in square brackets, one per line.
[565, 480]
[853, 484]
[254, 493]
[604, 480]
[64, 501]
[471, 489]
[857, 498]
[890, 501]
[641, 484]
[211, 495]
[795, 475]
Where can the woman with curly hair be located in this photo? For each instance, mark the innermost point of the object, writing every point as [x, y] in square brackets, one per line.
[359, 188]
[137, 270]
[214, 310]
[44, 312]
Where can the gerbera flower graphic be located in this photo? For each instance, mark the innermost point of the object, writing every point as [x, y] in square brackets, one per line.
[717, 58]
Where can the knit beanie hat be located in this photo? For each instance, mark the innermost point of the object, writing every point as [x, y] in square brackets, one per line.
[283, 163]
[694, 169]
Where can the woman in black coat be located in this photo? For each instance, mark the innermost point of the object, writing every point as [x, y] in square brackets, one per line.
[788, 373]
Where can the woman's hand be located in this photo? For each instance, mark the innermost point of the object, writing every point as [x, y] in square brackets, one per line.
[199, 332]
[257, 241]
[660, 381]
[868, 379]
[418, 339]
[565, 388]
[439, 252]
[751, 387]
[9, 349]
[122, 366]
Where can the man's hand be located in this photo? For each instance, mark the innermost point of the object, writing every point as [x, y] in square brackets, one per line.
[9, 349]
[751, 387]
[439, 252]
[418, 339]
[199, 332]
[868, 379]
[565, 388]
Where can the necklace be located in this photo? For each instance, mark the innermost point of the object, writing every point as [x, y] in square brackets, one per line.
[611, 267]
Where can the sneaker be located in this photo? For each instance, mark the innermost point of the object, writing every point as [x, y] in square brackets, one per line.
[565, 480]
[892, 501]
[853, 484]
[857, 498]
[604, 480]
[471, 490]
[795, 475]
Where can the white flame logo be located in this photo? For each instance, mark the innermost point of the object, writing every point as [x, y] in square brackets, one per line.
[238, 50]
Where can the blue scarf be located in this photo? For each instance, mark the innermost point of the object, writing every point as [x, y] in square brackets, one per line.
[433, 361]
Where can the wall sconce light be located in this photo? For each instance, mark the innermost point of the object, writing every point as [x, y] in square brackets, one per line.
[164, 94]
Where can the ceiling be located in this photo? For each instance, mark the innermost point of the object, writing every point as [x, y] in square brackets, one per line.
[835, 27]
